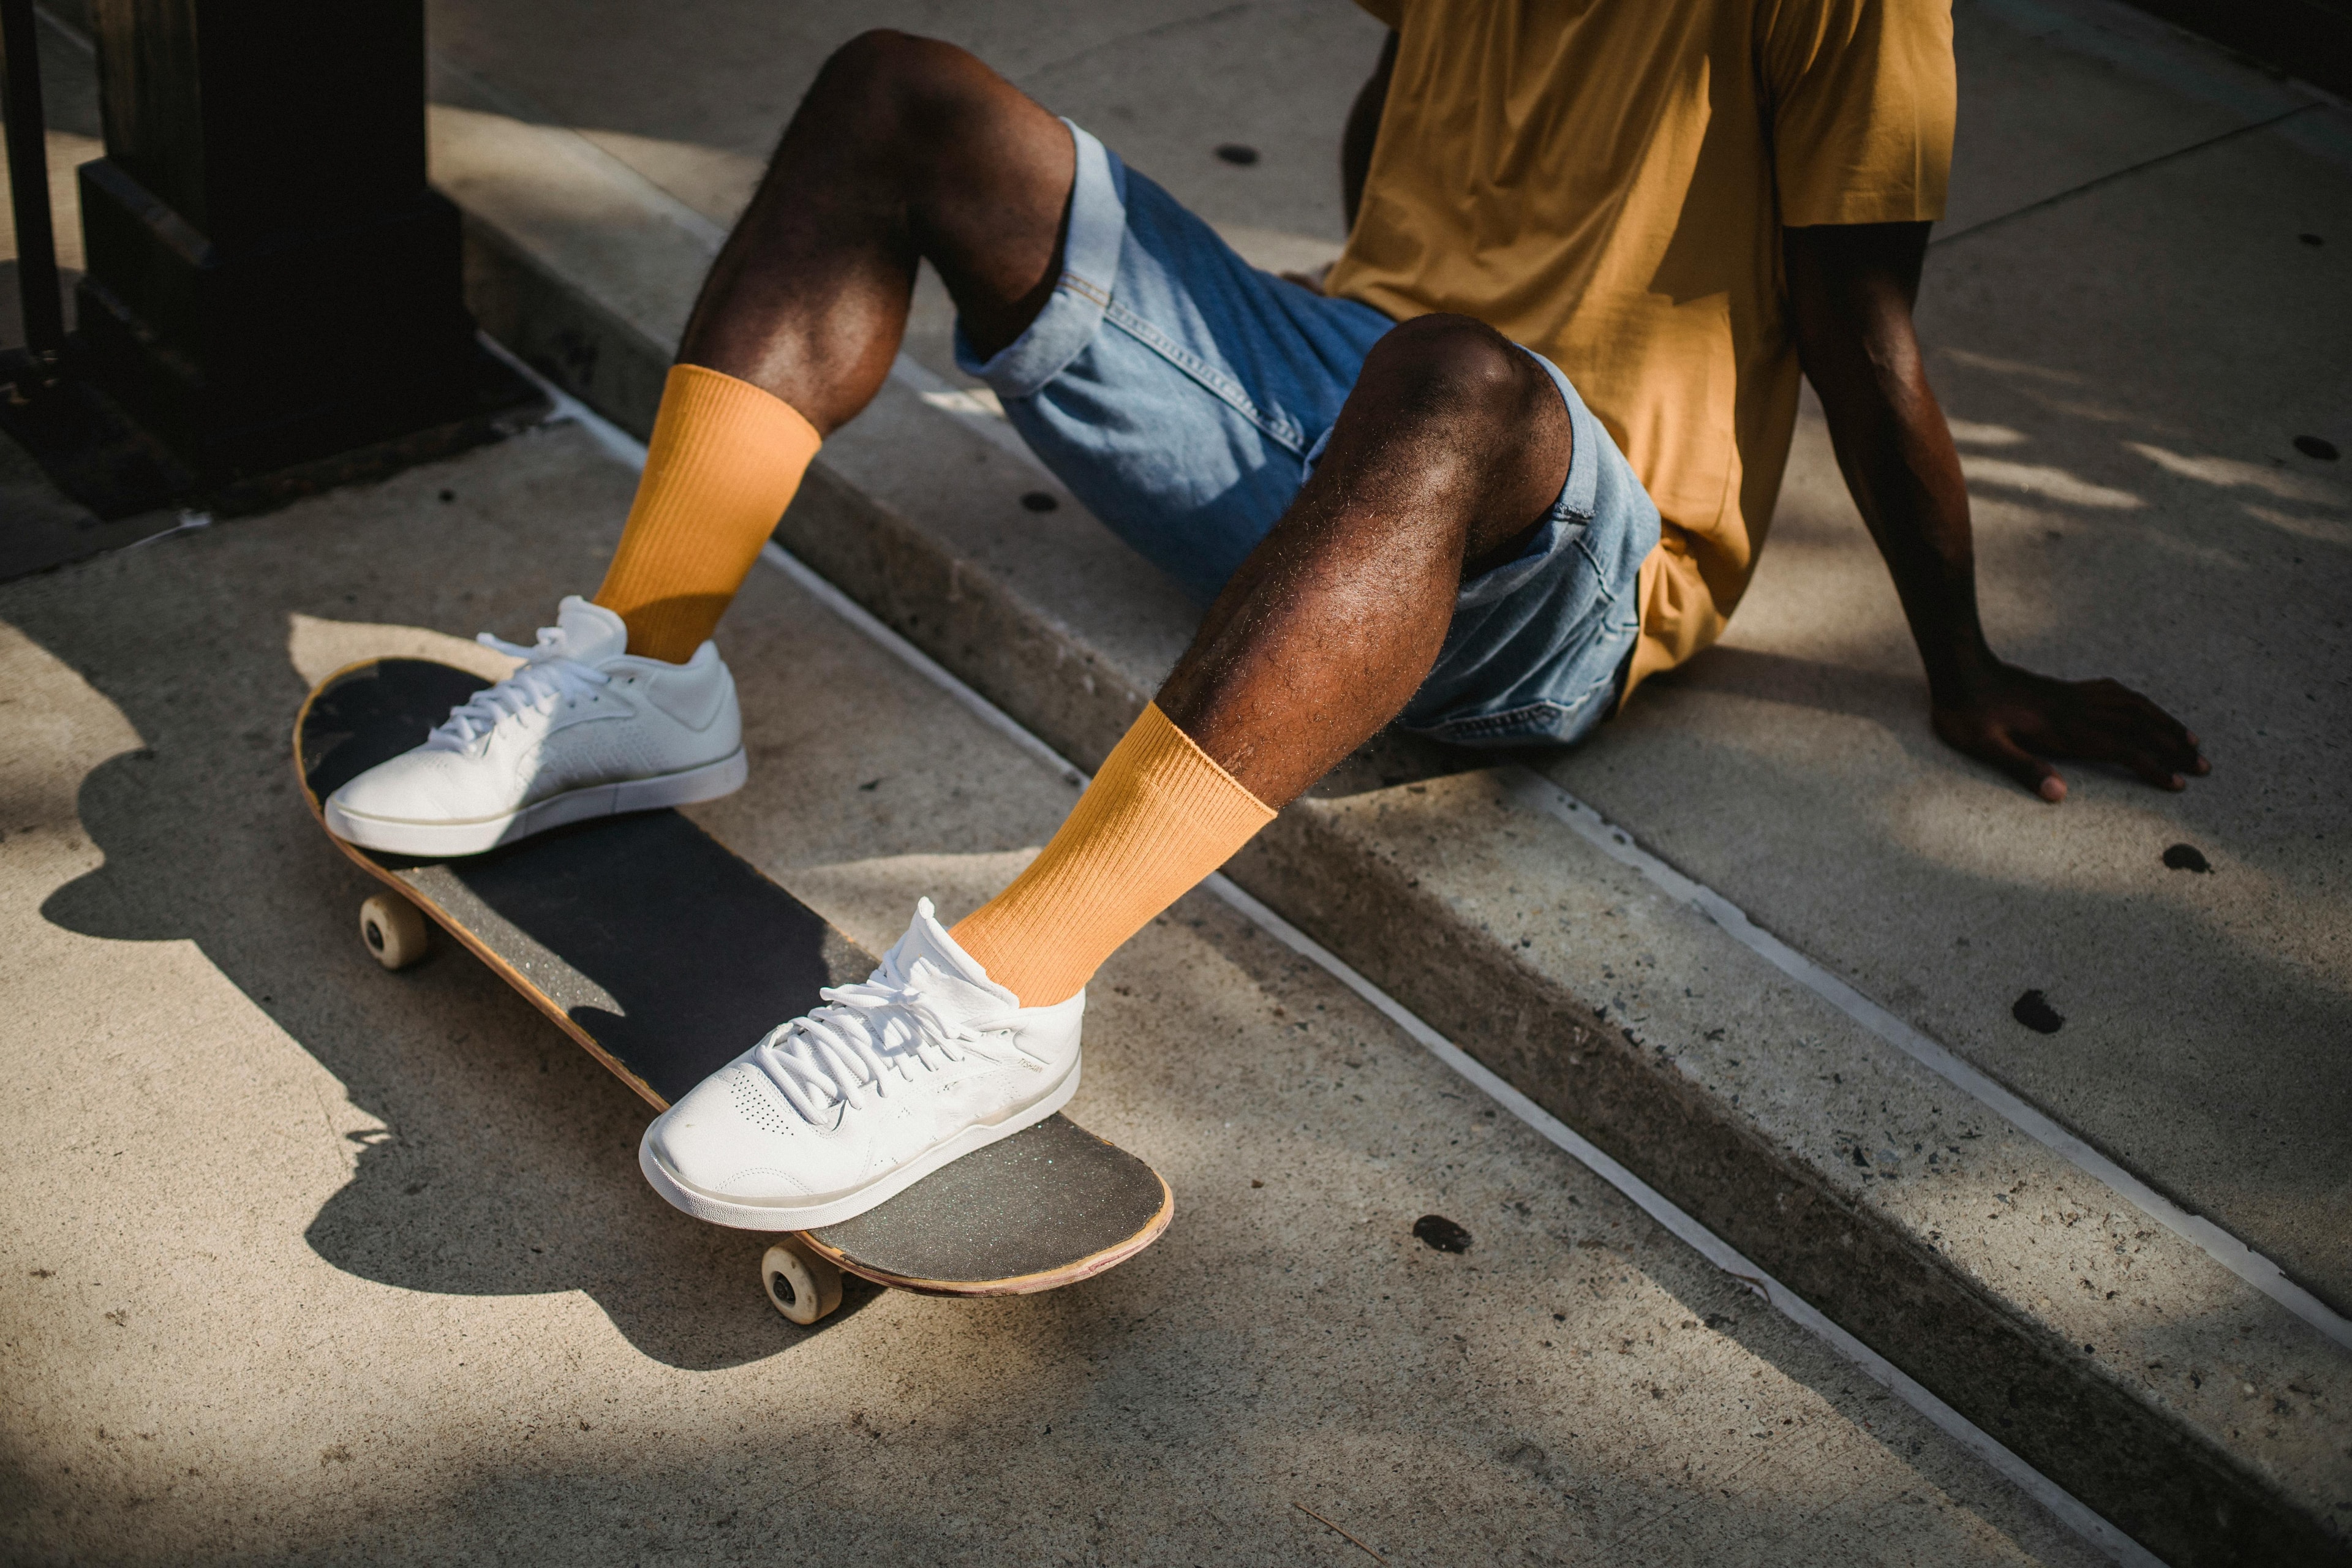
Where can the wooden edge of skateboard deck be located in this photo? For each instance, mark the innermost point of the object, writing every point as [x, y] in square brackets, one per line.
[443, 918]
[1069, 1273]
[1086, 1267]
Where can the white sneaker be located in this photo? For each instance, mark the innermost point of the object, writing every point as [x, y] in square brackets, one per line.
[833, 1113]
[581, 729]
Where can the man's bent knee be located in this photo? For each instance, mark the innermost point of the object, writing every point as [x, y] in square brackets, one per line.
[1471, 413]
[910, 91]
[1452, 366]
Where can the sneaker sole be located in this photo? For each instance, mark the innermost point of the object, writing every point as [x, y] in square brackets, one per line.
[816, 1216]
[441, 839]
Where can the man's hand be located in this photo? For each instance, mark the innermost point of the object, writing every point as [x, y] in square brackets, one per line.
[2013, 719]
[1851, 290]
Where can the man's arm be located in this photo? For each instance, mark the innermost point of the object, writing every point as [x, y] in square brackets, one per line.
[1852, 288]
[1356, 139]
[1363, 129]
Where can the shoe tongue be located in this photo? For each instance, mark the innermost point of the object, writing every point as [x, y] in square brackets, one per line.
[588, 633]
[926, 939]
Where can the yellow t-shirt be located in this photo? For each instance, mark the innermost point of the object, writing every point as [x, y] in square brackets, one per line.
[1605, 180]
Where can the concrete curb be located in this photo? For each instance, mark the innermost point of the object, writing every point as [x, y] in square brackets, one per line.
[2113, 1358]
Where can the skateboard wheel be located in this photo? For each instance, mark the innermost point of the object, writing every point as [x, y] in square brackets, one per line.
[394, 932]
[802, 1287]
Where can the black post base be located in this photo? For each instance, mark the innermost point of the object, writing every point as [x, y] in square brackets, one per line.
[245, 360]
[492, 401]
[120, 485]
[273, 301]
[85, 443]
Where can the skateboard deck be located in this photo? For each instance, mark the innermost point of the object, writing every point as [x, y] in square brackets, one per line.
[667, 955]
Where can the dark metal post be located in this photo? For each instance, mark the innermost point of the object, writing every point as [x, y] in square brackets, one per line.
[269, 280]
[28, 185]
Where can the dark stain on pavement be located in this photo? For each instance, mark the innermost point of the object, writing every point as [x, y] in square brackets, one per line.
[2033, 1010]
[2187, 857]
[1435, 1230]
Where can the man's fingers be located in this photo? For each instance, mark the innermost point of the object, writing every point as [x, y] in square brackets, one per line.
[2159, 752]
[2155, 760]
[2024, 767]
[2123, 741]
[2154, 770]
[2119, 726]
[2102, 722]
[1990, 742]
[2149, 726]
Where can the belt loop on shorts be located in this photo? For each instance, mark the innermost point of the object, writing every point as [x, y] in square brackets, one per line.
[1582, 491]
[1082, 295]
[1090, 251]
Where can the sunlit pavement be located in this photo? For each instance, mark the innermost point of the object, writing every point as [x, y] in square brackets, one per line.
[2129, 323]
[2133, 309]
[308, 1261]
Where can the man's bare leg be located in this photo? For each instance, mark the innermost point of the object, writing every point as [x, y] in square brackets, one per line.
[1452, 446]
[1449, 449]
[904, 149]
[1447, 453]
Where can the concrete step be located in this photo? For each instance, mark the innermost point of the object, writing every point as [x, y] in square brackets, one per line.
[270, 1202]
[2113, 1352]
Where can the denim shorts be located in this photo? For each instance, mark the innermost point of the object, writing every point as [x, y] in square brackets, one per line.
[1184, 396]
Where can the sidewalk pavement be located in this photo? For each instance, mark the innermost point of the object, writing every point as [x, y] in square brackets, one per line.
[2133, 312]
[306, 1262]
[2133, 306]
[2142, 511]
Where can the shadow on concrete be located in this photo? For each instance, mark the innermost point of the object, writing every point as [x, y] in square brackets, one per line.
[1890, 700]
[491, 1157]
[2197, 1053]
[502, 1158]
[505, 1163]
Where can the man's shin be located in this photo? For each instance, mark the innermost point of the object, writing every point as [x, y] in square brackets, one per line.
[725, 460]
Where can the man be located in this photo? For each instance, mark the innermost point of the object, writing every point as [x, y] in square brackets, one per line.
[1591, 245]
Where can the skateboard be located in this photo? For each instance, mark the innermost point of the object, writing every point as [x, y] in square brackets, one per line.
[667, 955]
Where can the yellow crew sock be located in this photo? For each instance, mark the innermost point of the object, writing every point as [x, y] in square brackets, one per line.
[1158, 817]
[724, 462]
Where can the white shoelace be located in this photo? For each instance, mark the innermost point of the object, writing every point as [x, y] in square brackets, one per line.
[545, 678]
[841, 1052]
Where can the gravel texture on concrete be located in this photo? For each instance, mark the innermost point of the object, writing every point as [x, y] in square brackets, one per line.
[2142, 511]
[1785, 789]
[307, 1262]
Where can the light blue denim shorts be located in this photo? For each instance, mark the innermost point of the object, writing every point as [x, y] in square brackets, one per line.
[1184, 396]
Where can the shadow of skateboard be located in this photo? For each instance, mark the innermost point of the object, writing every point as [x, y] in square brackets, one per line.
[666, 955]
